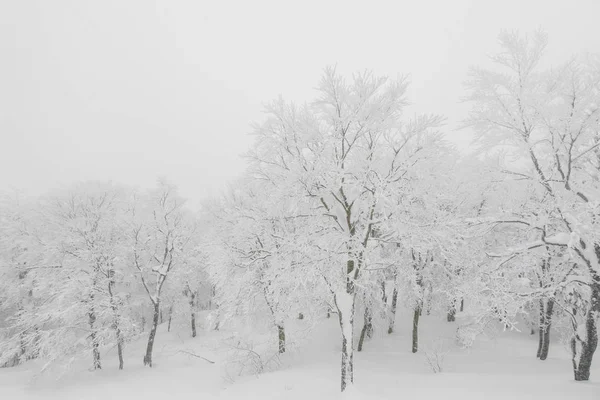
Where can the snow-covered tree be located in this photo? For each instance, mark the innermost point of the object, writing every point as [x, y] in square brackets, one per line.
[258, 258]
[346, 156]
[548, 120]
[161, 233]
[70, 260]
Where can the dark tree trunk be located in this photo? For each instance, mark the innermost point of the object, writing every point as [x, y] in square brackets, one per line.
[193, 322]
[546, 310]
[541, 334]
[462, 305]
[583, 364]
[170, 318]
[367, 330]
[120, 348]
[116, 326]
[451, 317]
[383, 293]
[415, 331]
[93, 336]
[281, 337]
[161, 316]
[193, 311]
[120, 342]
[393, 309]
[218, 323]
[150, 347]
[583, 350]
[545, 329]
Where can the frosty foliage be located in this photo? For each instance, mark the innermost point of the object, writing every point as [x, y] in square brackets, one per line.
[69, 269]
[350, 208]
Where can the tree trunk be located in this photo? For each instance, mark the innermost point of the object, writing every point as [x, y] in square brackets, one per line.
[281, 337]
[193, 322]
[170, 318]
[120, 348]
[545, 324]
[367, 329]
[462, 305]
[383, 293]
[583, 348]
[451, 317]
[369, 324]
[415, 331]
[120, 341]
[541, 330]
[148, 356]
[345, 303]
[193, 311]
[94, 338]
[116, 326]
[346, 318]
[393, 309]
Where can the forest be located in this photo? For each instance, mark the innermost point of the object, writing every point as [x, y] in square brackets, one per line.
[351, 208]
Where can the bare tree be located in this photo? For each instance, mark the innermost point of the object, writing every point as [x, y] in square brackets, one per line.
[159, 246]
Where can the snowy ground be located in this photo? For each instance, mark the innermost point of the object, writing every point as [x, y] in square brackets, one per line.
[503, 367]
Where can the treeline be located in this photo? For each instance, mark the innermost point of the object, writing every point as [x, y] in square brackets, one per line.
[88, 267]
[348, 208]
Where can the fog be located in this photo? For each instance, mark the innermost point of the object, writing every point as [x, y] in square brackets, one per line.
[133, 90]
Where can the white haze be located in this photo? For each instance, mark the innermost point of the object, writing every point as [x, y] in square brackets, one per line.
[132, 90]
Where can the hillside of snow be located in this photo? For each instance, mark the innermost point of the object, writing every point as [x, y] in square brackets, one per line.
[500, 365]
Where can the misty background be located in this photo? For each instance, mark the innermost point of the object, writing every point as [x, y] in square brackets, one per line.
[134, 90]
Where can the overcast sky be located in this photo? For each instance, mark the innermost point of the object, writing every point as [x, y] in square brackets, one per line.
[130, 90]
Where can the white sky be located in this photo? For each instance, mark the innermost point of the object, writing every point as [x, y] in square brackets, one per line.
[130, 90]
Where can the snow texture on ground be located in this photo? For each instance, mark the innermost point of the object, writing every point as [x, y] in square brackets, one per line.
[502, 366]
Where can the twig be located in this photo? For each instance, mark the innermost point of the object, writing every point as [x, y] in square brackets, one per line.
[196, 355]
